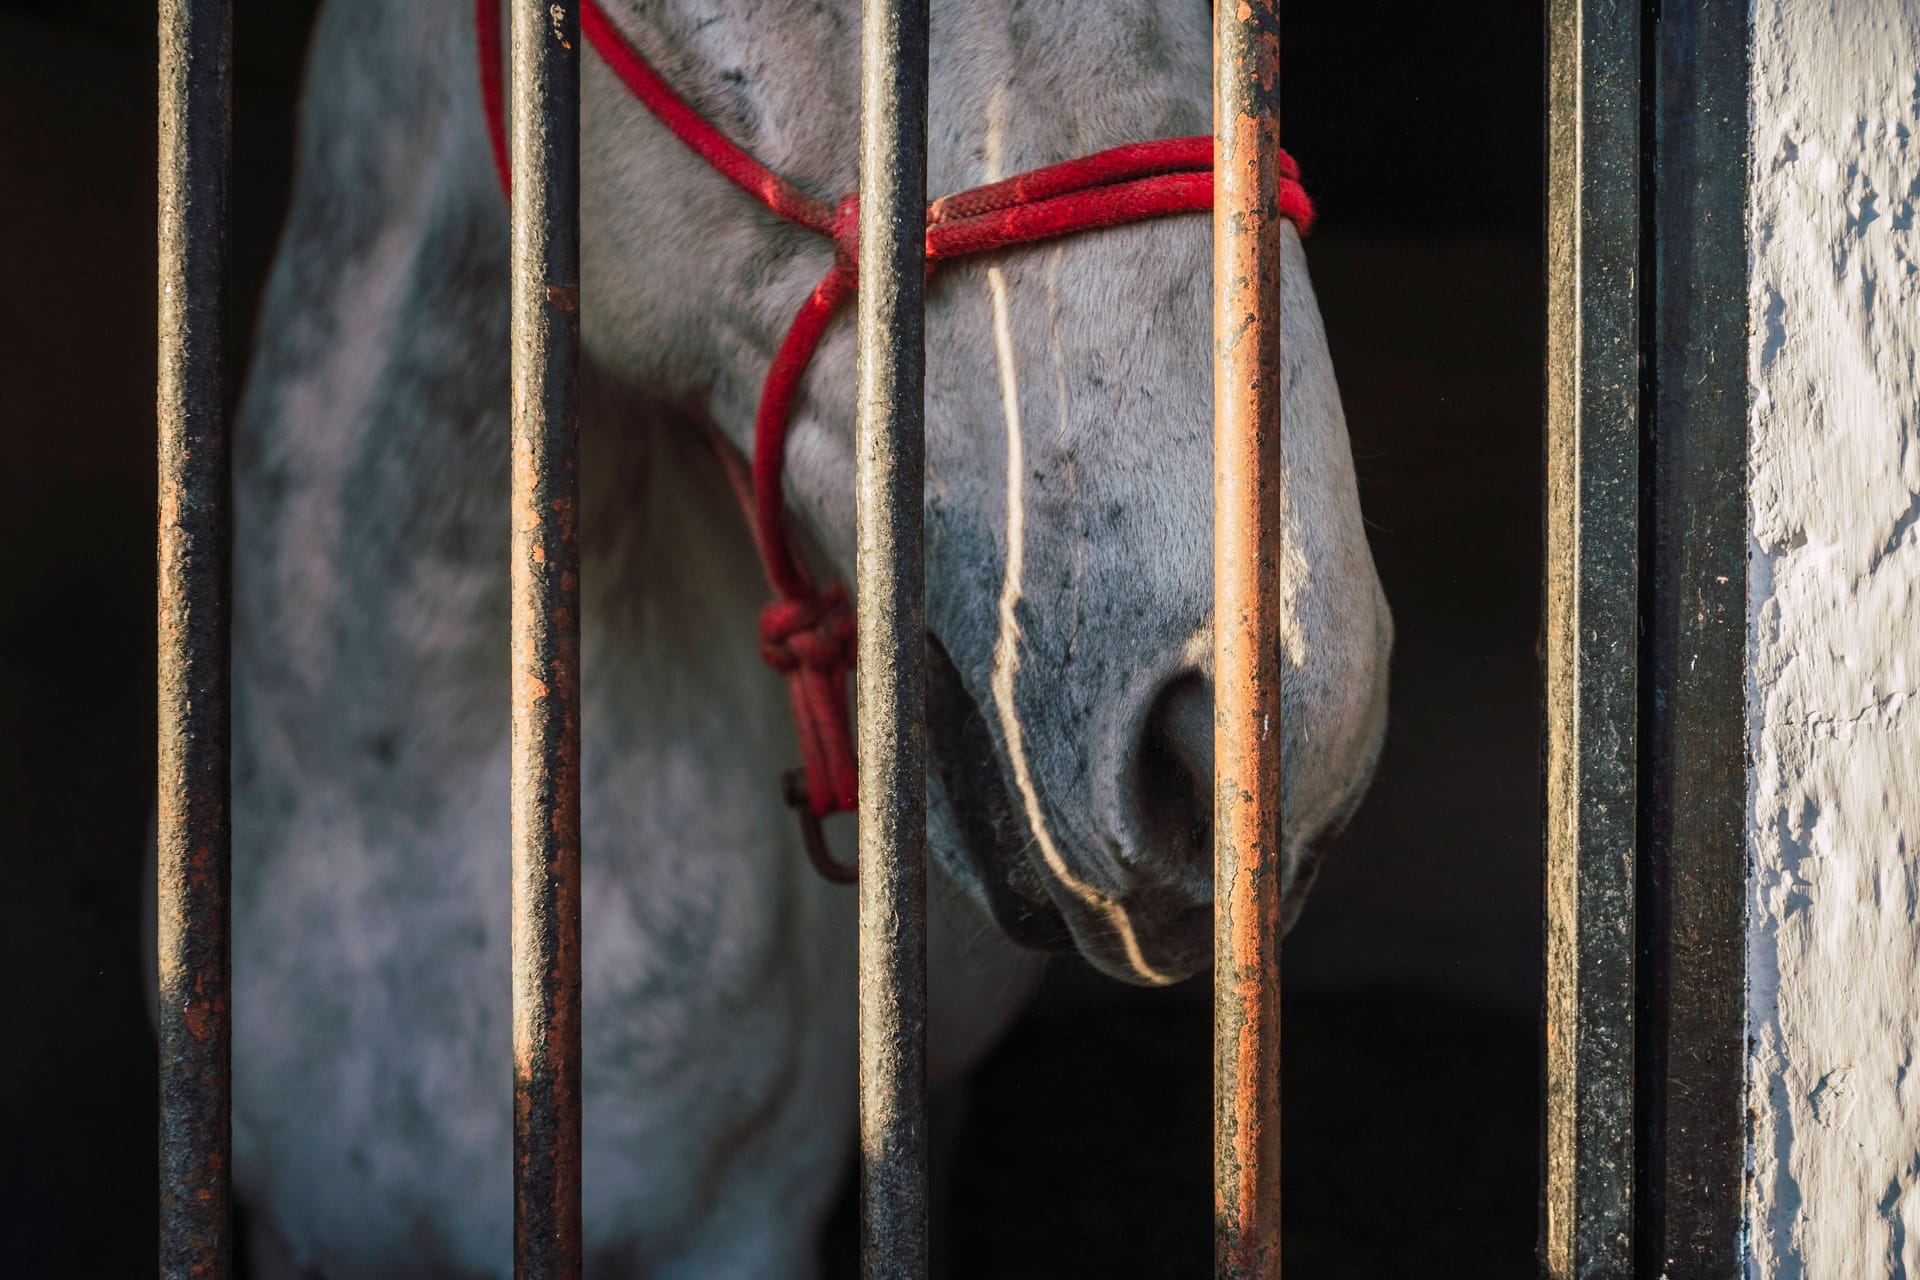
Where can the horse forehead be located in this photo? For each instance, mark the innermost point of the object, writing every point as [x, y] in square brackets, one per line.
[974, 42]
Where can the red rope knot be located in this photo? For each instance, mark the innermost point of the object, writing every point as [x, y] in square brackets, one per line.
[809, 639]
[815, 632]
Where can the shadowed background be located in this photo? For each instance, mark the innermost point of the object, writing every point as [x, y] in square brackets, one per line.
[1411, 1091]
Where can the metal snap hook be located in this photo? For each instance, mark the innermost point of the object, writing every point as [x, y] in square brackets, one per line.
[793, 789]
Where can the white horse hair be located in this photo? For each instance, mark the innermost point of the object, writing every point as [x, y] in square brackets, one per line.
[1069, 598]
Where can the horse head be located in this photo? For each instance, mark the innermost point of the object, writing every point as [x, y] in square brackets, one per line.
[1069, 447]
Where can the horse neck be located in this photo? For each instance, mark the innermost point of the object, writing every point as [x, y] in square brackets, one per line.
[371, 470]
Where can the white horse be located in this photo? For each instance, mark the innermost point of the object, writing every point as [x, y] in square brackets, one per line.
[1069, 590]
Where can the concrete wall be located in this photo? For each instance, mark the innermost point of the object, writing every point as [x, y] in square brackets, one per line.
[1834, 618]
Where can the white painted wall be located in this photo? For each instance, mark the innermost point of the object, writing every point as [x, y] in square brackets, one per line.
[1834, 634]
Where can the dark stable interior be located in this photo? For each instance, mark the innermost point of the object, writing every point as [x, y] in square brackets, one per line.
[1411, 1108]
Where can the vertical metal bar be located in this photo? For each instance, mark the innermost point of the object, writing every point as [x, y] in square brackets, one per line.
[1692, 1028]
[1247, 498]
[1592, 594]
[194, 836]
[545, 329]
[891, 676]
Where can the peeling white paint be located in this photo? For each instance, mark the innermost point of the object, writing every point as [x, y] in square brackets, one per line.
[1834, 639]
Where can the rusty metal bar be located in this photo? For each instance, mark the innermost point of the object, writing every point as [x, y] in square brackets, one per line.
[1691, 1021]
[1247, 502]
[193, 833]
[1594, 389]
[890, 451]
[545, 331]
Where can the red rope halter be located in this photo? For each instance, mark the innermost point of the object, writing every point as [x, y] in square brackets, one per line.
[806, 633]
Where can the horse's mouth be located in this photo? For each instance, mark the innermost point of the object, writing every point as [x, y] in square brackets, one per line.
[1172, 922]
[960, 748]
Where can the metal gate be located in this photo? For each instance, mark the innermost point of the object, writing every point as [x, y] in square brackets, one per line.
[194, 835]
[1644, 631]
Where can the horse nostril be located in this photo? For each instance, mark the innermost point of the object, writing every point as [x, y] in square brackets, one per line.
[1173, 772]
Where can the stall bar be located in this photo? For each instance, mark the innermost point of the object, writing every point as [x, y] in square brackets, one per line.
[192, 827]
[891, 681]
[1247, 508]
[544, 119]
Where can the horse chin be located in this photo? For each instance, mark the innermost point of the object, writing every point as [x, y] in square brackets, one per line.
[960, 749]
[1171, 929]
[1167, 934]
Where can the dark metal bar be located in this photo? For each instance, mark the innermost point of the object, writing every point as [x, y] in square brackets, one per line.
[890, 450]
[193, 832]
[545, 110]
[1692, 1031]
[1592, 594]
[1247, 503]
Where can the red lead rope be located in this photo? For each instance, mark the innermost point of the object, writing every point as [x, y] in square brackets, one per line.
[806, 633]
